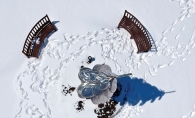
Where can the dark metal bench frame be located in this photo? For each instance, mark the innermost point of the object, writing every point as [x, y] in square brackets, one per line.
[137, 30]
[39, 32]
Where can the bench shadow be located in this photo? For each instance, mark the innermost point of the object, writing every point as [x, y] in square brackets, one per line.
[153, 48]
[55, 22]
[44, 44]
[136, 91]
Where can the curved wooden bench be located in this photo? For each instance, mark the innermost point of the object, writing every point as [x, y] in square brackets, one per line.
[137, 30]
[38, 33]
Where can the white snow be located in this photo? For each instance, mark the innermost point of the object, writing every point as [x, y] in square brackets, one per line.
[32, 88]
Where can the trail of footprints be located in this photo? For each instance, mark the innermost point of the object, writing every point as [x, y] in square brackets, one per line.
[114, 43]
[191, 114]
[128, 111]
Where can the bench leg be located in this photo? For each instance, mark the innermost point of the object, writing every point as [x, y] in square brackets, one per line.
[118, 27]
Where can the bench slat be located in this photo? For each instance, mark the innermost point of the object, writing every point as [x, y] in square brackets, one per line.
[137, 31]
[40, 30]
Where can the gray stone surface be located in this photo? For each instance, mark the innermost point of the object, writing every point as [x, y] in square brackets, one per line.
[98, 83]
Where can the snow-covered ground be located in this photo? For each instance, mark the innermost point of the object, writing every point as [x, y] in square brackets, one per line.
[162, 83]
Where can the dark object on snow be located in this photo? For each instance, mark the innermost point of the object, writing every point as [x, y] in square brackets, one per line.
[82, 66]
[100, 105]
[89, 59]
[36, 37]
[68, 90]
[106, 110]
[80, 106]
[138, 32]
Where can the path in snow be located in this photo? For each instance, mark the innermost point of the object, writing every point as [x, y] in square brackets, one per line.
[112, 42]
[39, 76]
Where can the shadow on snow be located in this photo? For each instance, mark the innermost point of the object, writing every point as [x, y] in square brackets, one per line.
[134, 91]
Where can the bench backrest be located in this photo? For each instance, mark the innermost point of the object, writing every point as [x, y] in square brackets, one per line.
[135, 28]
[35, 31]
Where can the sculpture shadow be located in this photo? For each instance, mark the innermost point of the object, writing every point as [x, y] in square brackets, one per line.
[135, 91]
[54, 22]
